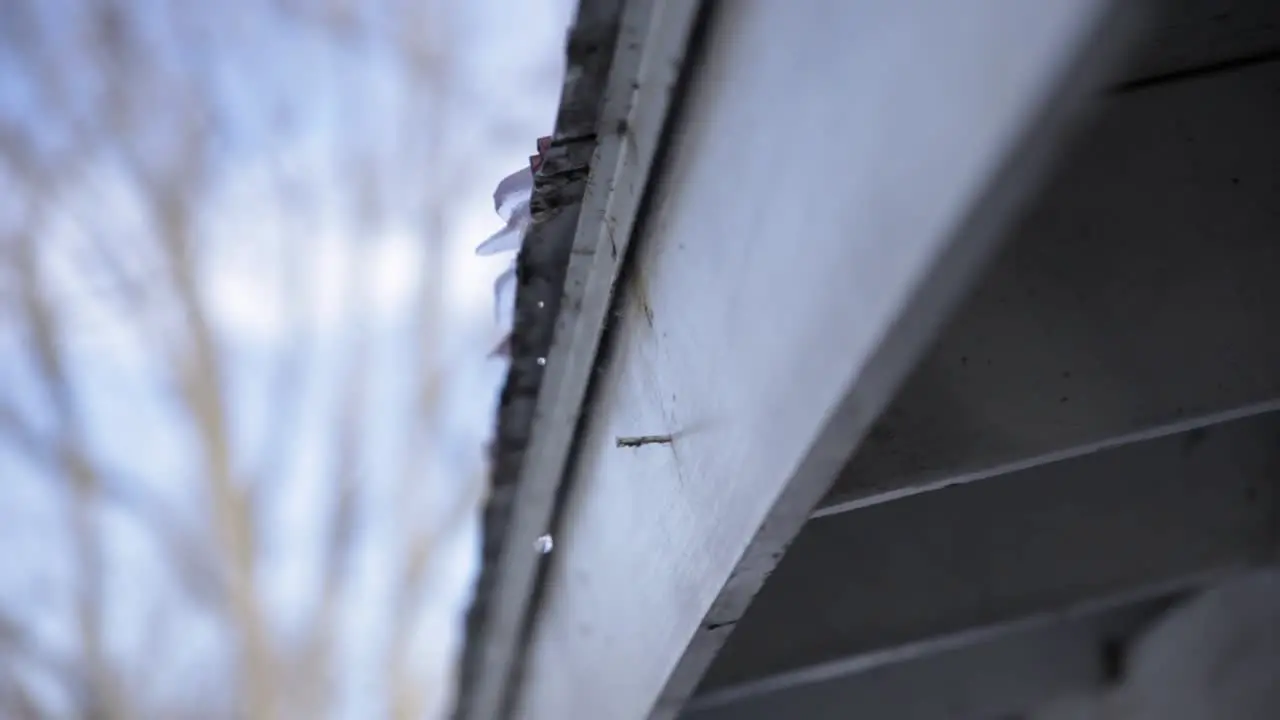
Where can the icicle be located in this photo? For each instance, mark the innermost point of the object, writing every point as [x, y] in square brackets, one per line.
[511, 202]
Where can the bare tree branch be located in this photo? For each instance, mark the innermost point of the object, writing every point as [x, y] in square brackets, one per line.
[117, 104]
[85, 482]
[203, 393]
[18, 650]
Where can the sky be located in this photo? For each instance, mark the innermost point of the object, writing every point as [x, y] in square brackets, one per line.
[292, 267]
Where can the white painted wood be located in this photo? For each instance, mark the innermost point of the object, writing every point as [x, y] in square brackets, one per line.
[650, 50]
[1136, 298]
[830, 195]
[860, 588]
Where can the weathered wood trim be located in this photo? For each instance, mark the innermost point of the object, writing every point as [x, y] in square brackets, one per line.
[497, 606]
[1130, 312]
[567, 272]
[831, 192]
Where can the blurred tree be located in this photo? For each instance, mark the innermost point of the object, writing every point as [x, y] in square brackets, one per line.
[224, 401]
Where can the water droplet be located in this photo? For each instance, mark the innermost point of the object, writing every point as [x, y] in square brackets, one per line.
[544, 543]
[541, 304]
[542, 361]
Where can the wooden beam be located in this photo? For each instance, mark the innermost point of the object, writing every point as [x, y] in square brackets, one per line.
[838, 175]
[1133, 304]
[1136, 298]
[624, 124]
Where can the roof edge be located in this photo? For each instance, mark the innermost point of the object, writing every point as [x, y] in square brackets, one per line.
[540, 270]
[625, 59]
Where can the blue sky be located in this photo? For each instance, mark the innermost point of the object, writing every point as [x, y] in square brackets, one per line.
[323, 154]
